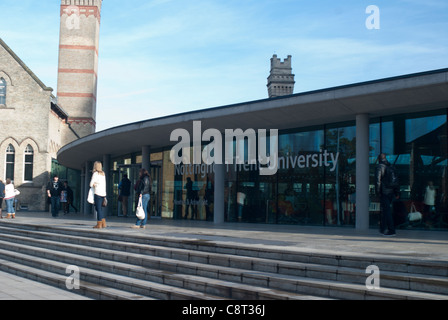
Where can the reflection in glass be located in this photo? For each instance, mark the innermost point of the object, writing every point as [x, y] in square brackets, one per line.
[417, 146]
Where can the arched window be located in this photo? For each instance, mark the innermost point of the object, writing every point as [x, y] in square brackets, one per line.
[2, 91]
[10, 161]
[29, 160]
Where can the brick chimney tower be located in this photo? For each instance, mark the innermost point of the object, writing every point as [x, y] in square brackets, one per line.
[281, 80]
[78, 63]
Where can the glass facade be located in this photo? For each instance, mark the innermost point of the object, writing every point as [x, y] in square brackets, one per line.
[417, 145]
[316, 180]
[72, 177]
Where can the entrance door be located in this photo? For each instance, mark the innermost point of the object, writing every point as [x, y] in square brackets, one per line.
[132, 171]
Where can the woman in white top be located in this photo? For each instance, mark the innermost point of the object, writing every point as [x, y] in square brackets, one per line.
[430, 198]
[10, 195]
[98, 183]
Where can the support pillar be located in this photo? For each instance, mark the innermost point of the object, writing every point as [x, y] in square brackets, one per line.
[362, 172]
[87, 207]
[106, 169]
[84, 191]
[146, 158]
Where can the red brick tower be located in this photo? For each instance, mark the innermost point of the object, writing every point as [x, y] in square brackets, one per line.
[78, 63]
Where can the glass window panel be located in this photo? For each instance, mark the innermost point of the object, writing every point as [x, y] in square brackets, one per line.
[2, 91]
[10, 162]
[300, 195]
[29, 158]
[28, 172]
[417, 146]
[341, 178]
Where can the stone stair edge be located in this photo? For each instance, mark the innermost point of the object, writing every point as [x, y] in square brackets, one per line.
[310, 267]
[112, 278]
[266, 292]
[238, 248]
[86, 289]
[403, 293]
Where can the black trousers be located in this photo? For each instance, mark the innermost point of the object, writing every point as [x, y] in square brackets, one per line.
[387, 219]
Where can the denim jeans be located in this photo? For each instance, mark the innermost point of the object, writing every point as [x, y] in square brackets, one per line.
[98, 202]
[55, 205]
[145, 201]
[10, 205]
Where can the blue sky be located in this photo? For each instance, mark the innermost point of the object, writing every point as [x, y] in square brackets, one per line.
[162, 57]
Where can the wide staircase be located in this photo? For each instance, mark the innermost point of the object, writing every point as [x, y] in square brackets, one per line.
[145, 267]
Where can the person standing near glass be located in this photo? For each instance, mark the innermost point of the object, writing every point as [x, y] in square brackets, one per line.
[144, 190]
[98, 183]
[386, 190]
[54, 189]
[125, 192]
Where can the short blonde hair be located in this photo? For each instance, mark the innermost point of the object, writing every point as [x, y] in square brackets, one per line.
[98, 167]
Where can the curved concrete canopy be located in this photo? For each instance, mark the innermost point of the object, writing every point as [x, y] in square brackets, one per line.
[404, 94]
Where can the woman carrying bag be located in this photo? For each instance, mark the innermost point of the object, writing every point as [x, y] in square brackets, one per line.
[144, 190]
[98, 183]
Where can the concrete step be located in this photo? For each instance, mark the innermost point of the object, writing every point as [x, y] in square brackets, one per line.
[115, 273]
[210, 271]
[130, 287]
[359, 261]
[397, 280]
[87, 289]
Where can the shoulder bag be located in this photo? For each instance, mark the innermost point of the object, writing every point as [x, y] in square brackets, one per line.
[140, 213]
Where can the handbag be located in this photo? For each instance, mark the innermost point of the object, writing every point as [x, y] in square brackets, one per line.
[90, 198]
[414, 215]
[140, 213]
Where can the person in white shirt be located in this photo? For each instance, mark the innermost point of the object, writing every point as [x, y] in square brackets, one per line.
[10, 195]
[98, 183]
[430, 199]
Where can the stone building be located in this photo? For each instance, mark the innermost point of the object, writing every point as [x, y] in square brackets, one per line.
[281, 80]
[33, 129]
[34, 124]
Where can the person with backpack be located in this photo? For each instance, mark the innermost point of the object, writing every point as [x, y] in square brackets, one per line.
[387, 188]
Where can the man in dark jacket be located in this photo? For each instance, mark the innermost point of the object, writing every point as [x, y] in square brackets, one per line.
[386, 191]
[54, 189]
[125, 191]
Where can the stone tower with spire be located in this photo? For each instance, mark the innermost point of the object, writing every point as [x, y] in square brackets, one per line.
[78, 63]
[281, 80]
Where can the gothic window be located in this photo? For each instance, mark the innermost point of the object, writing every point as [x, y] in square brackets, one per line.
[29, 160]
[10, 161]
[2, 91]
